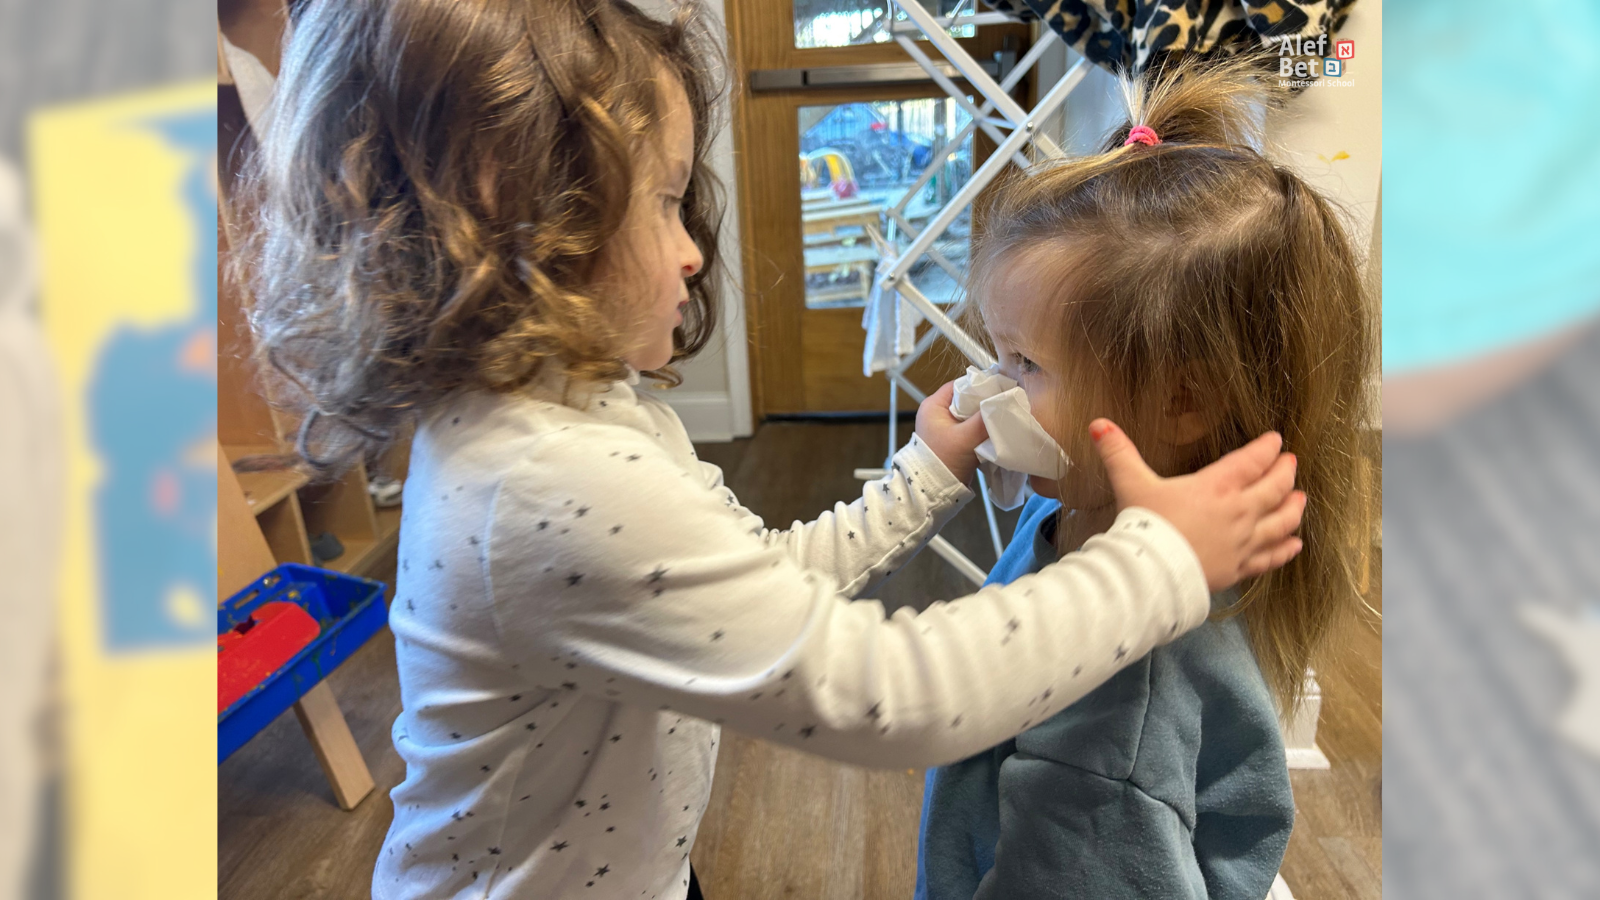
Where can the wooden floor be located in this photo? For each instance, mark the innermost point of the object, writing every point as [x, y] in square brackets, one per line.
[781, 824]
[1337, 846]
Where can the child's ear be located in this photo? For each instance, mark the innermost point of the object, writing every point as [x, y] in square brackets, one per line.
[1183, 421]
[1188, 428]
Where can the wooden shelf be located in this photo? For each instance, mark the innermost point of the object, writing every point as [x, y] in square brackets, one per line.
[289, 509]
[355, 553]
[285, 530]
[360, 556]
[263, 490]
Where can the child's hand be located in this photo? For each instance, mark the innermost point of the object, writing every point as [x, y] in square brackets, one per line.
[1239, 513]
[955, 442]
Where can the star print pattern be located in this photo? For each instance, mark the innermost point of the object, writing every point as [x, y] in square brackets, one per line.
[521, 578]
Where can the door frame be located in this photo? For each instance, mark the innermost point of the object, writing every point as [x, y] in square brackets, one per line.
[760, 37]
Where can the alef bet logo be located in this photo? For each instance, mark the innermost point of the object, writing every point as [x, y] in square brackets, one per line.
[1306, 57]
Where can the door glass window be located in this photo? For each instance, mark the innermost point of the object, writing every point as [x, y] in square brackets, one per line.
[844, 23]
[860, 164]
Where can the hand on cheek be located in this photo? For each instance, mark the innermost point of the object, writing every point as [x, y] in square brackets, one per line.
[1239, 514]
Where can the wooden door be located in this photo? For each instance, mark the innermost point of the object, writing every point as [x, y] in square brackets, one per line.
[816, 167]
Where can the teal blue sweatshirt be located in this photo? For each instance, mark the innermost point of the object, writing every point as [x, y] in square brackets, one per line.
[1169, 781]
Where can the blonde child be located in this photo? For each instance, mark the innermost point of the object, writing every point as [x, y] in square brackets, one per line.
[488, 219]
[1193, 290]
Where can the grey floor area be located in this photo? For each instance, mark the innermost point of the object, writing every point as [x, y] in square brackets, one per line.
[1498, 512]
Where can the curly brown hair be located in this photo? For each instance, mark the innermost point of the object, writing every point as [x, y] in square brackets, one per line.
[1198, 263]
[432, 193]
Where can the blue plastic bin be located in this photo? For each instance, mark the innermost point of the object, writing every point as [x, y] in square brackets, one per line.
[349, 609]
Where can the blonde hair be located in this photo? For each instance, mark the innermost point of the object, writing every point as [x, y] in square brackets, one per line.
[434, 191]
[1198, 264]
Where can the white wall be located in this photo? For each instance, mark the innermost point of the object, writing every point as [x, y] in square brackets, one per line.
[714, 399]
[1090, 111]
[1325, 122]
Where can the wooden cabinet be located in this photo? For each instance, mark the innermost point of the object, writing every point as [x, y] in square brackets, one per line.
[287, 506]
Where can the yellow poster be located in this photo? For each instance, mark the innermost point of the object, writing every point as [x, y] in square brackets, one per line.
[125, 202]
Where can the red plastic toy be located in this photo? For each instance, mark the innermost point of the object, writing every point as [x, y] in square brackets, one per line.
[259, 646]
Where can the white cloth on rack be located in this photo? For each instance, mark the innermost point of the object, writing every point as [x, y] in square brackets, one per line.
[1017, 446]
[889, 319]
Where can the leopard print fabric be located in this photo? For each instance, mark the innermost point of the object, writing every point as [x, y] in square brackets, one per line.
[1132, 35]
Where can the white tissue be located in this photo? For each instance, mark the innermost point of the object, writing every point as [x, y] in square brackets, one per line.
[1017, 446]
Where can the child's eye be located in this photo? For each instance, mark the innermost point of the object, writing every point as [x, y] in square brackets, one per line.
[1025, 365]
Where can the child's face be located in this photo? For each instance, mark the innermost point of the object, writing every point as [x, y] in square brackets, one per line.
[1017, 315]
[659, 253]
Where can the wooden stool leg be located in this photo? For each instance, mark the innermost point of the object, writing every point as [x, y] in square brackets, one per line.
[335, 747]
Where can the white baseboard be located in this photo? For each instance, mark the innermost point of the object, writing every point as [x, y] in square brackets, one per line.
[707, 415]
[1300, 731]
[1307, 758]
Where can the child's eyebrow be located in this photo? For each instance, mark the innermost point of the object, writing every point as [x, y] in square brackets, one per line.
[1007, 337]
[1017, 347]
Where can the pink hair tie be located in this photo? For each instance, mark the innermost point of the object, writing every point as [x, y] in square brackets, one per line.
[1141, 134]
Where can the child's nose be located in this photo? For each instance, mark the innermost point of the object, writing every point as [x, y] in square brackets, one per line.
[693, 260]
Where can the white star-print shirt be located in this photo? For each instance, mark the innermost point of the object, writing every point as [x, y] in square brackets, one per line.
[581, 602]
